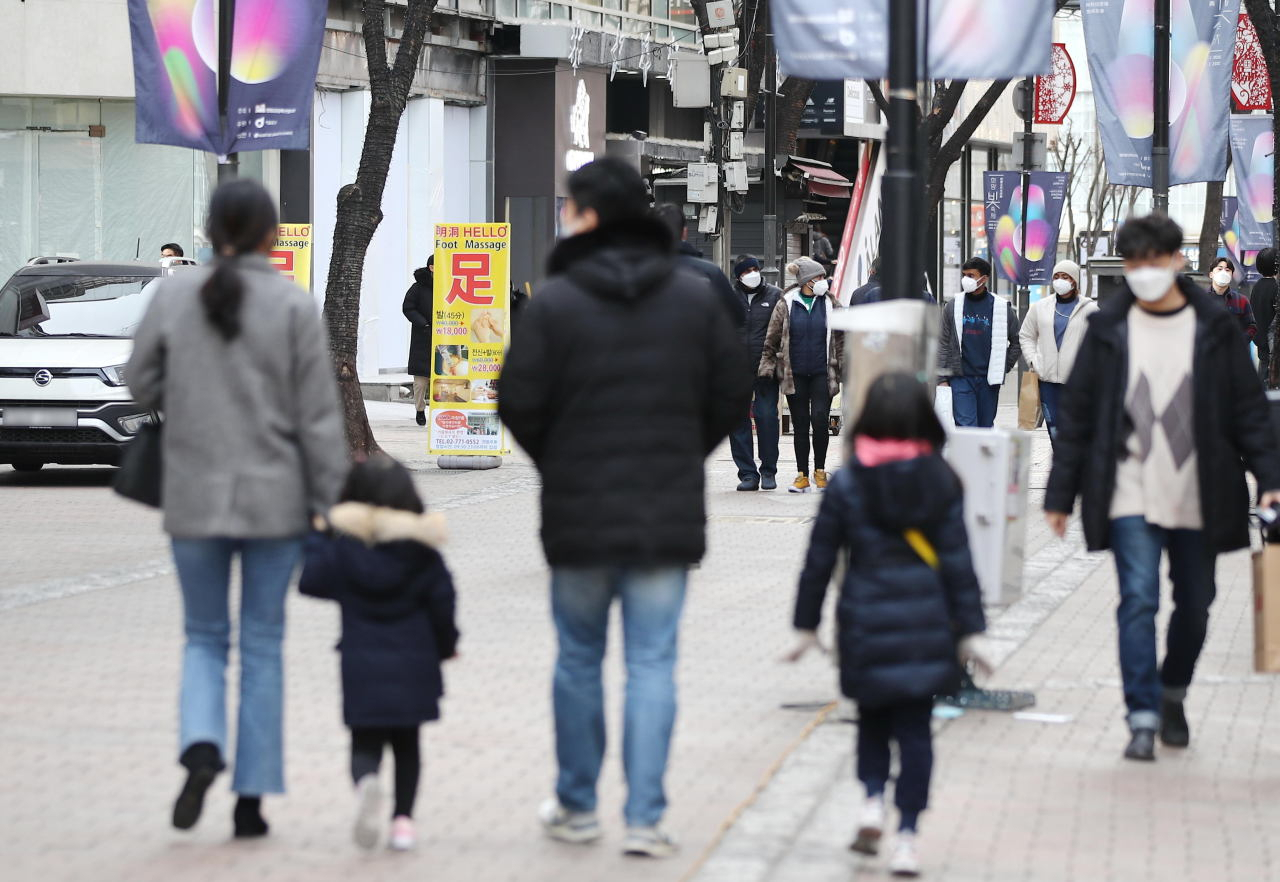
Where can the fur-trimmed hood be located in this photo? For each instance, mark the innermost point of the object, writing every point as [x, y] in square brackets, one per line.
[373, 525]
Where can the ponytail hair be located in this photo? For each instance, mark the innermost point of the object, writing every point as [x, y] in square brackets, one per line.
[241, 217]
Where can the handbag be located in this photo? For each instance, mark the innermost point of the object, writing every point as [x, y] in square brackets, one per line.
[141, 473]
[1030, 414]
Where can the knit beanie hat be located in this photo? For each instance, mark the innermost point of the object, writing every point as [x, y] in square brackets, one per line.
[1070, 267]
[807, 269]
[745, 265]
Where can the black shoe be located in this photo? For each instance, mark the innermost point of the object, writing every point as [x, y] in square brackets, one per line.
[768, 482]
[1142, 746]
[422, 418]
[749, 484]
[203, 762]
[1174, 731]
[248, 818]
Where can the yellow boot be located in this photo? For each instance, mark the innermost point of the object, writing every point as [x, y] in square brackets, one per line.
[801, 484]
[820, 479]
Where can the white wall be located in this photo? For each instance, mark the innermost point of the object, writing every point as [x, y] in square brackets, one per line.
[431, 181]
[56, 48]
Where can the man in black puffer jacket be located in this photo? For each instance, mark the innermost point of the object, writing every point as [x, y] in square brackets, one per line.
[759, 298]
[626, 374]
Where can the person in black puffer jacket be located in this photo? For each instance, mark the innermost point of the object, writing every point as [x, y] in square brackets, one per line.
[377, 558]
[417, 309]
[627, 372]
[910, 605]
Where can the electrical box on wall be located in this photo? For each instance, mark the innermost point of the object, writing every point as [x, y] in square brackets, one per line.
[735, 145]
[738, 115]
[690, 80]
[710, 217]
[735, 177]
[734, 83]
[704, 182]
[720, 13]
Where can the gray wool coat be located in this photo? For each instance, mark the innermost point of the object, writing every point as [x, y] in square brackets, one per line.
[253, 433]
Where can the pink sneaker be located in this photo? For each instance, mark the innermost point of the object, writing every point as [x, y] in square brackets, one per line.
[402, 835]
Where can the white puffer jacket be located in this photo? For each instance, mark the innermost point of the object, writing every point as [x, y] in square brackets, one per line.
[1040, 348]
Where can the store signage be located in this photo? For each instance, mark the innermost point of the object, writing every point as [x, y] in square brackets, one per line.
[292, 254]
[580, 152]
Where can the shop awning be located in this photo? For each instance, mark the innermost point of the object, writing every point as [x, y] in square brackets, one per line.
[821, 179]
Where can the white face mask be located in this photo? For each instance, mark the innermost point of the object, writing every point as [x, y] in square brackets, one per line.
[1063, 287]
[820, 288]
[1150, 283]
[969, 284]
[751, 279]
[1222, 278]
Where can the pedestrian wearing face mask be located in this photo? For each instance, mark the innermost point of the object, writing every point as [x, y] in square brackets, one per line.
[759, 299]
[1221, 275]
[1161, 415]
[1051, 336]
[807, 358]
[1263, 301]
[977, 346]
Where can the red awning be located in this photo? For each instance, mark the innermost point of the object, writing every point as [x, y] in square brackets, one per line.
[823, 181]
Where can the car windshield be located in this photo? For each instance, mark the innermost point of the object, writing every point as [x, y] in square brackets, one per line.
[33, 305]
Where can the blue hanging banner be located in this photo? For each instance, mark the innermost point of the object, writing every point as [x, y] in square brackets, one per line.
[1252, 157]
[849, 39]
[1002, 198]
[1246, 261]
[1120, 44]
[274, 58]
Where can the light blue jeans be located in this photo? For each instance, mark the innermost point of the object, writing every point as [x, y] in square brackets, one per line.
[652, 599]
[204, 569]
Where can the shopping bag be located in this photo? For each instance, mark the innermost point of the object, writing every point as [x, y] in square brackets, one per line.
[1266, 609]
[1029, 414]
[942, 406]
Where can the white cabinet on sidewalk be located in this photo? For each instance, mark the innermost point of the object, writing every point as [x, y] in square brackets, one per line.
[994, 465]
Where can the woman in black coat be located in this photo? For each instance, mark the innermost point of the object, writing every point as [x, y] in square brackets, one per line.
[417, 309]
[909, 604]
[378, 560]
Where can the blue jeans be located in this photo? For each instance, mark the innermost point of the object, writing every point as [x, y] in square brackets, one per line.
[1050, 398]
[204, 569]
[764, 407]
[974, 402]
[652, 599]
[1137, 546]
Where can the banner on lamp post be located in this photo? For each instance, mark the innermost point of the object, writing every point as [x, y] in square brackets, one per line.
[1002, 198]
[1253, 158]
[849, 39]
[275, 54]
[1120, 44]
[1229, 228]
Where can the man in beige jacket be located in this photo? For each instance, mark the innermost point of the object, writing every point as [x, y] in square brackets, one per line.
[1051, 336]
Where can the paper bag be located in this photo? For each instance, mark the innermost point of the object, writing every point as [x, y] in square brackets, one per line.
[942, 406]
[1029, 415]
[1266, 609]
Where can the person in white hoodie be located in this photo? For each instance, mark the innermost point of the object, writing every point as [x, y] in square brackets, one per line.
[1051, 336]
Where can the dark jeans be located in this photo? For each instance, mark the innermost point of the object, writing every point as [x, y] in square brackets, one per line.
[1264, 362]
[811, 408]
[366, 758]
[974, 402]
[908, 724]
[764, 407]
[1050, 396]
[1138, 546]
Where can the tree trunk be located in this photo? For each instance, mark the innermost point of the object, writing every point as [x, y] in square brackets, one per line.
[791, 103]
[360, 203]
[1210, 226]
[944, 155]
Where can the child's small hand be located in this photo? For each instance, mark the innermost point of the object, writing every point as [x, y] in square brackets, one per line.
[805, 640]
[974, 650]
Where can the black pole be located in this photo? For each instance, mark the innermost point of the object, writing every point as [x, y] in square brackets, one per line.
[228, 166]
[1023, 300]
[899, 242]
[1160, 133]
[771, 272]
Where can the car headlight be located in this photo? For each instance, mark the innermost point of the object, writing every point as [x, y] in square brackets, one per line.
[114, 375]
[132, 424]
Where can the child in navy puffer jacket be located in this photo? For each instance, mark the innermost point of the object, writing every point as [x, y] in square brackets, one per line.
[909, 604]
[377, 557]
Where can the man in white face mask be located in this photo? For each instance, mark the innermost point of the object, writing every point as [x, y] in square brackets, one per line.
[977, 346]
[1051, 336]
[1221, 275]
[759, 299]
[1161, 407]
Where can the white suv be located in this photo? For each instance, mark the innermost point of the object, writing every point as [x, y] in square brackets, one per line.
[66, 332]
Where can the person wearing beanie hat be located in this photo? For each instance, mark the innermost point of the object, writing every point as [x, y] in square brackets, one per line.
[977, 346]
[806, 357]
[758, 298]
[1051, 336]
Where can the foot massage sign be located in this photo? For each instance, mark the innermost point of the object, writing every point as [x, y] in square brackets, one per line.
[470, 329]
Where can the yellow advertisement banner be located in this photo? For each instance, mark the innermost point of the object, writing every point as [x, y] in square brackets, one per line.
[292, 254]
[470, 325]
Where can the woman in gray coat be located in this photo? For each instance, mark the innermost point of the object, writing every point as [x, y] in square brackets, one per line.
[235, 358]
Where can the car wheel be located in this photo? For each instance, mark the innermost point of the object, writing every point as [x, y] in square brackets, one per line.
[28, 466]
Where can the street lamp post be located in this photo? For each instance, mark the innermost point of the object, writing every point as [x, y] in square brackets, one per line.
[899, 240]
[228, 166]
[1160, 132]
[769, 173]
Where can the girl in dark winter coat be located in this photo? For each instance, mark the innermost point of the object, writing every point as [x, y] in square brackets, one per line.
[909, 604]
[377, 558]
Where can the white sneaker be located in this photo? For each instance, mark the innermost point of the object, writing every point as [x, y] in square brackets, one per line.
[402, 834]
[870, 827]
[369, 812]
[905, 860]
[577, 828]
[653, 842]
